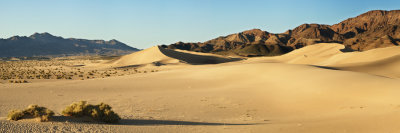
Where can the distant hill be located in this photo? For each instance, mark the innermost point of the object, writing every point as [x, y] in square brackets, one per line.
[45, 44]
[374, 29]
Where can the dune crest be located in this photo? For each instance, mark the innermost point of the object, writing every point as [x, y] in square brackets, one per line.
[160, 56]
[313, 54]
[146, 56]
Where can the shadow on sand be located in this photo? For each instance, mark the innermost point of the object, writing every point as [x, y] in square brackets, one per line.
[141, 122]
[326, 67]
[172, 122]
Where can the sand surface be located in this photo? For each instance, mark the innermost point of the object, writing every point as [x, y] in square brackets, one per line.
[314, 89]
[382, 61]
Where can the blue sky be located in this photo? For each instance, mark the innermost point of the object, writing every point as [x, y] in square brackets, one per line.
[144, 23]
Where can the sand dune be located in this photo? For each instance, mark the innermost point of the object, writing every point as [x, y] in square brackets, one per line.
[236, 97]
[160, 56]
[313, 54]
[334, 54]
[389, 67]
[369, 56]
[380, 61]
[150, 55]
[267, 94]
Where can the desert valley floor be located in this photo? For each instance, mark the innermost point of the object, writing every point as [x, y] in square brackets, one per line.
[318, 88]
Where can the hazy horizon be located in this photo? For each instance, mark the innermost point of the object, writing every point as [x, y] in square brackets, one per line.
[142, 24]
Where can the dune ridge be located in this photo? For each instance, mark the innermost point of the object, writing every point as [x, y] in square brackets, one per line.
[160, 56]
[146, 56]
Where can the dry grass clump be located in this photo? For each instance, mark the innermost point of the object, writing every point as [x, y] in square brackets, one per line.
[100, 112]
[33, 111]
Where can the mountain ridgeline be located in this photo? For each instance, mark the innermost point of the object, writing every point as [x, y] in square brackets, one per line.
[374, 29]
[45, 44]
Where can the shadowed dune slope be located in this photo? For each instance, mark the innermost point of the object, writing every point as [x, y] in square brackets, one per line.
[161, 56]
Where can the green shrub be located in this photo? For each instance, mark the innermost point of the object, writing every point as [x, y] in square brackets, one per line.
[34, 111]
[100, 112]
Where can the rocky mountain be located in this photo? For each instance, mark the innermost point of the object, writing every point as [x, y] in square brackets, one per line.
[248, 43]
[308, 34]
[373, 29]
[370, 30]
[45, 44]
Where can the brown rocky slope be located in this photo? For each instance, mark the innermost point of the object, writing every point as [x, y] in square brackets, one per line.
[373, 29]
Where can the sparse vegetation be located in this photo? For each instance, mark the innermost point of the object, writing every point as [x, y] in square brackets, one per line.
[24, 71]
[100, 112]
[33, 111]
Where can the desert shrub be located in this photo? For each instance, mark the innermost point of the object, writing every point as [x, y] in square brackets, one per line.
[34, 111]
[100, 112]
[15, 115]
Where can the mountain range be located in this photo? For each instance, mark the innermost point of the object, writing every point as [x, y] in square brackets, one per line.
[373, 29]
[45, 44]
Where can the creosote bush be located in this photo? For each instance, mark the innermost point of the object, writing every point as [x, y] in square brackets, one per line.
[34, 111]
[100, 112]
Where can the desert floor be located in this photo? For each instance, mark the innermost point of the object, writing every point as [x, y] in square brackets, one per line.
[318, 88]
